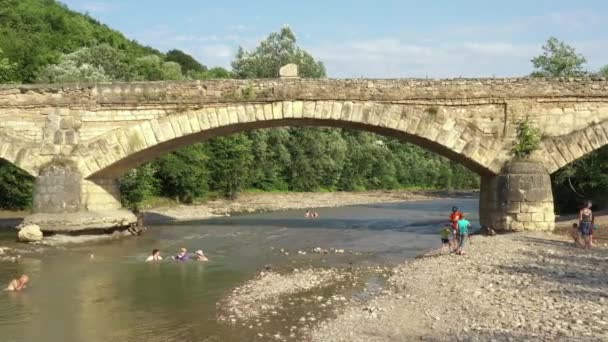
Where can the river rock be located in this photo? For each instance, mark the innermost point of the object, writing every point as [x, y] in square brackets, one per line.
[29, 233]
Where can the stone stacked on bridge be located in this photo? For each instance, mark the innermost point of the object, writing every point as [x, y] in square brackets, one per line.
[100, 131]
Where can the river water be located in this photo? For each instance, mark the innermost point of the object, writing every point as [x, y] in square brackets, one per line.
[103, 291]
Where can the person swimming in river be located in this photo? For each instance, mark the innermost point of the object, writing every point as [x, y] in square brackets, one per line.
[182, 255]
[155, 256]
[18, 284]
[200, 256]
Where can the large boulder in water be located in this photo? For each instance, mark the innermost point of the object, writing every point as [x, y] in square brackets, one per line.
[29, 233]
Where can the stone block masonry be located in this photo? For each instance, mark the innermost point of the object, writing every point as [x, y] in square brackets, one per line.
[78, 139]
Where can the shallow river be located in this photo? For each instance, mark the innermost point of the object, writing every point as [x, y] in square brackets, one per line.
[115, 296]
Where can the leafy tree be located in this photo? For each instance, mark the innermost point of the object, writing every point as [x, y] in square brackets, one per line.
[213, 73]
[603, 72]
[138, 184]
[153, 68]
[230, 163]
[317, 157]
[68, 71]
[183, 174]
[271, 54]
[7, 69]
[187, 62]
[558, 60]
[16, 187]
[271, 157]
[528, 138]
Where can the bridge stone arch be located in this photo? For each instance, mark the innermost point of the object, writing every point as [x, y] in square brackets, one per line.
[433, 128]
[559, 151]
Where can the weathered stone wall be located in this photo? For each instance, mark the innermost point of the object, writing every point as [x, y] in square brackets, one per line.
[452, 91]
[103, 130]
[57, 190]
[101, 194]
[520, 198]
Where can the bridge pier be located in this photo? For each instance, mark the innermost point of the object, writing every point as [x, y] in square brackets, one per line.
[64, 202]
[519, 198]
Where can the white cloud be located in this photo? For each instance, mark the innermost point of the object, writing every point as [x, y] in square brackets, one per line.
[218, 50]
[574, 20]
[393, 58]
[240, 27]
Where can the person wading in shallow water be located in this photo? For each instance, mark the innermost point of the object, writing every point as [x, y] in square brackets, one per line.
[18, 284]
[155, 256]
[585, 223]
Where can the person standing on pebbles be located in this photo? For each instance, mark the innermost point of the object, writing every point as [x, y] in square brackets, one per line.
[464, 227]
[576, 235]
[585, 223]
[455, 216]
[445, 239]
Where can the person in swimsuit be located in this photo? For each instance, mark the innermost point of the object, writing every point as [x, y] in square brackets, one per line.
[155, 256]
[200, 256]
[585, 223]
[18, 284]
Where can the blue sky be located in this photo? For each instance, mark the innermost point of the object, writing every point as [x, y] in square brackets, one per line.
[380, 39]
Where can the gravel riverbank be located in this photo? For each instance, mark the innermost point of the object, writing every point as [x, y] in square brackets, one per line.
[515, 287]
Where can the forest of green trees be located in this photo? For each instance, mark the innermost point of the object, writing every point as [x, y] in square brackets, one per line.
[42, 41]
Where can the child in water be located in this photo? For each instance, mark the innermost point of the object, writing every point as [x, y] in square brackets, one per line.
[445, 238]
[18, 284]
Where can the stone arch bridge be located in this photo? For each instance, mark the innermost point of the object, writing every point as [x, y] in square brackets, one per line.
[78, 139]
